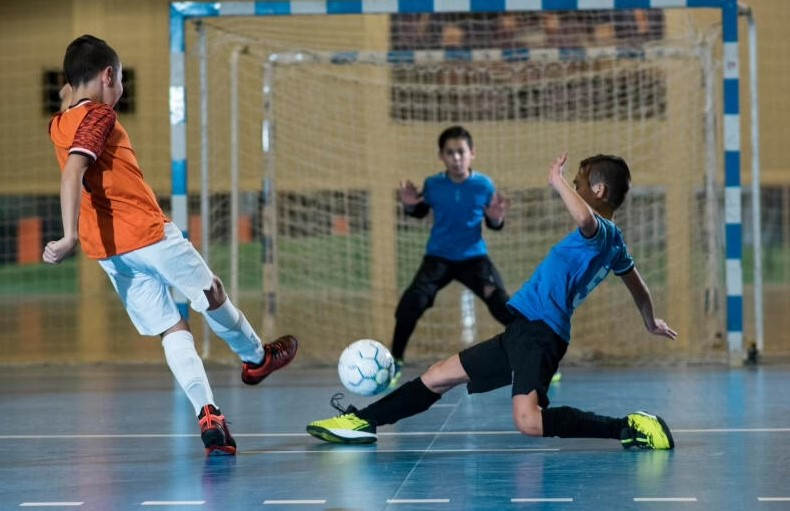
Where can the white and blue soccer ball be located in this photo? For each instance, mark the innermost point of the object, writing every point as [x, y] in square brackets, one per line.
[366, 367]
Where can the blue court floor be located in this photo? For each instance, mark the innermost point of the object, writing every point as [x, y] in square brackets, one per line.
[125, 438]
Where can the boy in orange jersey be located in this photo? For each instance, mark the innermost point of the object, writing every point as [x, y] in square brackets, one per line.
[108, 207]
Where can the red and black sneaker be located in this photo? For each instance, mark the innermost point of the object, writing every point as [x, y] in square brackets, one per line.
[214, 432]
[277, 354]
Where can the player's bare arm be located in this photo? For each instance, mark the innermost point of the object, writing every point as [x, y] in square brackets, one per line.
[581, 212]
[70, 193]
[644, 303]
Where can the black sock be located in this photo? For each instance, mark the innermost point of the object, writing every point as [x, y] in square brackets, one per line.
[409, 399]
[567, 422]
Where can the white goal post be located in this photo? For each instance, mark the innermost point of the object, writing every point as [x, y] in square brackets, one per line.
[362, 214]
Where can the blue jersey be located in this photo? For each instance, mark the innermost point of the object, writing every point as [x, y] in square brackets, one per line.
[571, 270]
[458, 213]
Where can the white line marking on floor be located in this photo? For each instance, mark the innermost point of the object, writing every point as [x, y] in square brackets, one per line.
[547, 499]
[294, 501]
[773, 499]
[373, 450]
[50, 504]
[732, 430]
[418, 501]
[665, 499]
[173, 503]
[385, 433]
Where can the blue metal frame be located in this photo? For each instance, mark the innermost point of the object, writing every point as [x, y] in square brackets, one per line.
[181, 11]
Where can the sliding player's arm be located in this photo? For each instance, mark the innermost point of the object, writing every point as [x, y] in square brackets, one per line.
[644, 303]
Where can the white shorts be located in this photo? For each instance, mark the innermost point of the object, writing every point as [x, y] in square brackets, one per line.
[143, 279]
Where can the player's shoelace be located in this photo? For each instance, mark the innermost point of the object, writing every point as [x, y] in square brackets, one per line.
[335, 402]
[277, 350]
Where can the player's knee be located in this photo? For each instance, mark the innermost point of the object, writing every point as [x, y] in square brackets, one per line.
[527, 414]
[181, 325]
[438, 378]
[215, 294]
[528, 422]
[488, 291]
[495, 296]
[413, 303]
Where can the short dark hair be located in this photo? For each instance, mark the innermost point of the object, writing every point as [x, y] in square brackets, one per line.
[455, 132]
[613, 172]
[86, 56]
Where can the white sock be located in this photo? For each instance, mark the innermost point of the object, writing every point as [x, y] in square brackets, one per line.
[231, 326]
[187, 367]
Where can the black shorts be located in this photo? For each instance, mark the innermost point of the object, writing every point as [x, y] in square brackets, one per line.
[526, 354]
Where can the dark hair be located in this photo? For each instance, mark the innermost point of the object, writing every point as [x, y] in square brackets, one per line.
[613, 172]
[86, 56]
[455, 132]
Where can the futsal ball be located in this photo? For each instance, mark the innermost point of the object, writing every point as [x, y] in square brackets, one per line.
[366, 367]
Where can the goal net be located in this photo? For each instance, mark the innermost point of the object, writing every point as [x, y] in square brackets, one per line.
[308, 125]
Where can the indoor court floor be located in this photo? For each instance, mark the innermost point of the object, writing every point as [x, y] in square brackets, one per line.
[124, 438]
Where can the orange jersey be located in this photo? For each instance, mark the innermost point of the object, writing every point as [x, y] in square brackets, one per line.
[118, 210]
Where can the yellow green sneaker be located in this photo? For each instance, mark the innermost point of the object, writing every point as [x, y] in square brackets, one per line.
[345, 429]
[556, 377]
[646, 431]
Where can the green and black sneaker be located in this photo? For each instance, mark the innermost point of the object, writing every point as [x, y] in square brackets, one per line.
[343, 429]
[646, 431]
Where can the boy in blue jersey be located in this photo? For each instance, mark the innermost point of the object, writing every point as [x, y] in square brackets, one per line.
[528, 352]
[461, 199]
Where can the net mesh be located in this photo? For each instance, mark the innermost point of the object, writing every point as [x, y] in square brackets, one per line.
[353, 110]
[346, 130]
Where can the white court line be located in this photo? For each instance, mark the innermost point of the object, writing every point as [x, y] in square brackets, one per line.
[173, 503]
[395, 451]
[418, 501]
[547, 499]
[390, 433]
[50, 504]
[733, 430]
[773, 499]
[266, 502]
[665, 499]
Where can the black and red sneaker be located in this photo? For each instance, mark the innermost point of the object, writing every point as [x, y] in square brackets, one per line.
[277, 354]
[214, 432]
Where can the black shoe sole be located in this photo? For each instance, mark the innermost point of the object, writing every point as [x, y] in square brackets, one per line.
[666, 432]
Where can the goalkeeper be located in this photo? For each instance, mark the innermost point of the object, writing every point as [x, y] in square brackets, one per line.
[461, 199]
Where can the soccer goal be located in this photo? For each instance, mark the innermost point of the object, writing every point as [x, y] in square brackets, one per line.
[303, 125]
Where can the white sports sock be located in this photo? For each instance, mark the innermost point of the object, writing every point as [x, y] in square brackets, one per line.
[187, 367]
[231, 326]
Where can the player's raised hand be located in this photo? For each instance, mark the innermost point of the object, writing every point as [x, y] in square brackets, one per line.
[408, 193]
[56, 251]
[496, 209]
[556, 170]
[661, 328]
